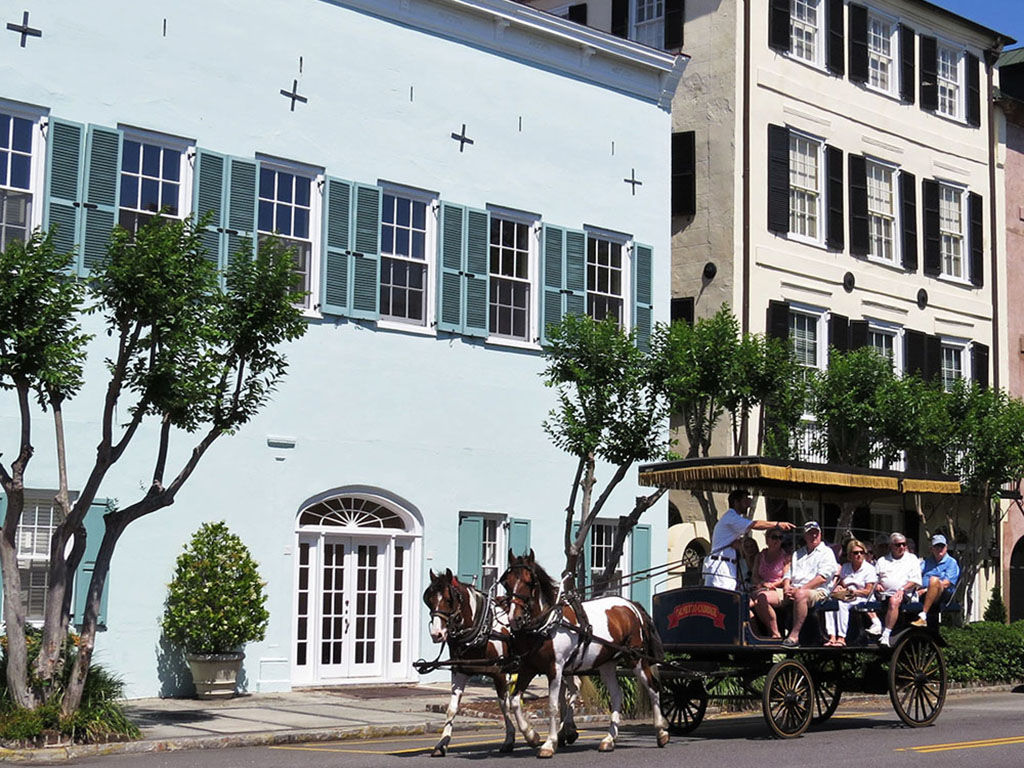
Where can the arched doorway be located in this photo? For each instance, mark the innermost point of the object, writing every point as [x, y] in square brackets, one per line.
[1016, 596]
[692, 562]
[356, 582]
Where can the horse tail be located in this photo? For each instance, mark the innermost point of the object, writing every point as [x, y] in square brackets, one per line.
[653, 648]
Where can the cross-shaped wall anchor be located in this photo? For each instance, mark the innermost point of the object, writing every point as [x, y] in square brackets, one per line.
[462, 138]
[24, 30]
[633, 180]
[294, 94]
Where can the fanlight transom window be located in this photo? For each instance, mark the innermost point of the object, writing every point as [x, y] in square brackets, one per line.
[350, 512]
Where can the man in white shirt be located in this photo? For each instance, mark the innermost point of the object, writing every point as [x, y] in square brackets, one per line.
[720, 566]
[899, 576]
[811, 573]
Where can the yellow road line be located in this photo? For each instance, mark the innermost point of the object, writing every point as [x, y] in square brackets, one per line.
[996, 742]
[494, 741]
[853, 716]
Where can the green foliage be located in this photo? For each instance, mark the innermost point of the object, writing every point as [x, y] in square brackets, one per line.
[995, 611]
[985, 444]
[635, 701]
[216, 600]
[985, 652]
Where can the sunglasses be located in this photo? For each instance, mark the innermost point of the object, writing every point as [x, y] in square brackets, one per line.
[775, 538]
[858, 552]
[899, 543]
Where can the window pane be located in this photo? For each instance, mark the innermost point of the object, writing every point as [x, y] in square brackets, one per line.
[172, 165]
[150, 160]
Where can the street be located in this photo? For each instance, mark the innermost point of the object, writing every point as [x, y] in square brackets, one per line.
[984, 727]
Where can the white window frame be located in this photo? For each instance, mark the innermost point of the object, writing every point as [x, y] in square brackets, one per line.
[944, 273]
[649, 31]
[533, 222]
[184, 146]
[818, 57]
[894, 53]
[609, 527]
[316, 188]
[29, 563]
[37, 163]
[818, 316]
[877, 215]
[960, 347]
[957, 52]
[432, 202]
[881, 327]
[497, 524]
[626, 243]
[818, 145]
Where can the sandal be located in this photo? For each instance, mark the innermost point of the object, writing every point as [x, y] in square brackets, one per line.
[840, 642]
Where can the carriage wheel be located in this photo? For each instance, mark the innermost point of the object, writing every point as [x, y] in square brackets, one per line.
[788, 699]
[827, 691]
[683, 703]
[917, 680]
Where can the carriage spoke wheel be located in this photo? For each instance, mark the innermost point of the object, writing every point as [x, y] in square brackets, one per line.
[827, 691]
[788, 699]
[683, 703]
[917, 680]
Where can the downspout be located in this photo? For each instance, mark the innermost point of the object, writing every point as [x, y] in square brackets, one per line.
[745, 301]
[991, 55]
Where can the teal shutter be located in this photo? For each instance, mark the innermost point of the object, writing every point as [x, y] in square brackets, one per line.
[640, 560]
[208, 198]
[241, 205]
[553, 261]
[471, 547]
[102, 194]
[642, 290]
[519, 536]
[64, 160]
[94, 529]
[366, 257]
[449, 283]
[575, 272]
[335, 269]
[476, 273]
[584, 580]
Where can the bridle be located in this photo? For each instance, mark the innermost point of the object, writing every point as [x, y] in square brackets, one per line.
[458, 633]
[532, 623]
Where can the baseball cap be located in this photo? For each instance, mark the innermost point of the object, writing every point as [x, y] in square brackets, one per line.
[896, 537]
[811, 525]
[938, 538]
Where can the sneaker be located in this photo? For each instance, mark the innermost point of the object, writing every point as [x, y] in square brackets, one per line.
[875, 628]
[791, 642]
[884, 640]
[920, 622]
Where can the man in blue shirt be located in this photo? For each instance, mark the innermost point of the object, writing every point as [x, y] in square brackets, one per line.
[939, 574]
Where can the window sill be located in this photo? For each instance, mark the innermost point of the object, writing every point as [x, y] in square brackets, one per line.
[891, 95]
[804, 240]
[499, 341]
[959, 121]
[962, 282]
[817, 66]
[399, 326]
[896, 264]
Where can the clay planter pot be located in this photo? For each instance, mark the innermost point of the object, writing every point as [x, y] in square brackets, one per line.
[215, 674]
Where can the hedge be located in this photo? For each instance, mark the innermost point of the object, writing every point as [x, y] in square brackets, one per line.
[985, 651]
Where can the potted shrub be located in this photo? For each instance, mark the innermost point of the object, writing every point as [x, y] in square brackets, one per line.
[215, 604]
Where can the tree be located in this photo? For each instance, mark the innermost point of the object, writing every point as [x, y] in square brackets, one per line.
[608, 409]
[191, 350]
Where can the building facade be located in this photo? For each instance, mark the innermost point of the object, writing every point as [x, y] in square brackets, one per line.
[441, 173]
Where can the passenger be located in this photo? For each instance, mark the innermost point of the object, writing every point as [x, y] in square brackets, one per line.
[899, 576]
[748, 555]
[939, 575]
[810, 578]
[720, 565]
[856, 583]
[770, 570]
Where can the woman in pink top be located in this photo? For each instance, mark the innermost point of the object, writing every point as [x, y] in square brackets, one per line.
[770, 568]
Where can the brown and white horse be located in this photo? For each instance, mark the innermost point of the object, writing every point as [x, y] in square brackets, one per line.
[477, 633]
[554, 642]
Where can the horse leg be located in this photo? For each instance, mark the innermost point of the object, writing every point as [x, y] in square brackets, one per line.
[458, 688]
[568, 734]
[554, 699]
[502, 689]
[611, 682]
[646, 676]
[516, 702]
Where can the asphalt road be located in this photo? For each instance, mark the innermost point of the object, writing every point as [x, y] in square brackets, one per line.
[985, 729]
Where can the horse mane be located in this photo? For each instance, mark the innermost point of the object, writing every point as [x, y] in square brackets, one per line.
[548, 586]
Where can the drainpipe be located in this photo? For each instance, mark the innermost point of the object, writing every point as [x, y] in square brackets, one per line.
[745, 300]
[991, 55]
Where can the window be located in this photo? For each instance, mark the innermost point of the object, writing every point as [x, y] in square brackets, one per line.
[805, 198]
[649, 23]
[39, 519]
[805, 22]
[285, 210]
[510, 245]
[602, 539]
[15, 178]
[881, 211]
[489, 541]
[951, 230]
[605, 278]
[881, 54]
[806, 334]
[948, 81]
[405, 227]
[151, 182]
[953, 362]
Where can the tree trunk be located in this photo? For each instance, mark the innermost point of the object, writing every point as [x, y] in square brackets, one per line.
[626, 524]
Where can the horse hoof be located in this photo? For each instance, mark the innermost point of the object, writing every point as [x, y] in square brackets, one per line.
[545, 753]
[439, 752]
[533, 739]
[568, 737]
[606, 745]
[507, 747]
[663, 738]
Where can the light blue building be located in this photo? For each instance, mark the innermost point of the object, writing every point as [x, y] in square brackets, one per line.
[455, 174]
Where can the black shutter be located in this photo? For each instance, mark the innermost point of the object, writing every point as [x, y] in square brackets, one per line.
[912, 527]
[682, 310]
[976, 212]
[973, 90]
[684, 181]
[979, 364]
[908, 219]
[578, 13]
[620, 18]
[932, 357]
[778, 320]
[859, 241]
[778, 25]
[675, 13]
[908, 83]
[858, 334]
[929, 76]
[834, 169]
[778, 178]
[913, 353]
[858, 43]
[839, 332]
[836, 32]
[932, 240]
